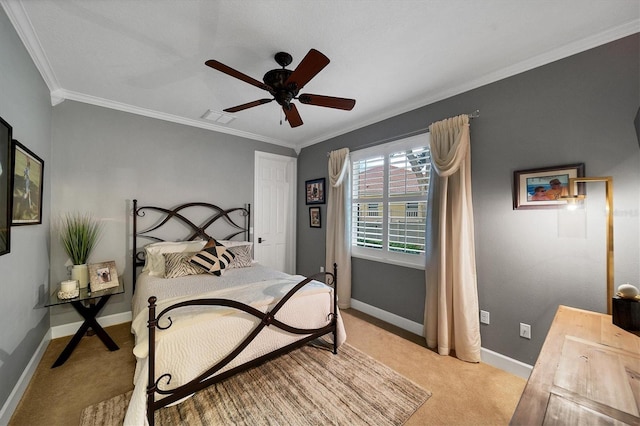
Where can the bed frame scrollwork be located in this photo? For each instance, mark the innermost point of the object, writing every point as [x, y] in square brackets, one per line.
[178, 214]
[162, 320]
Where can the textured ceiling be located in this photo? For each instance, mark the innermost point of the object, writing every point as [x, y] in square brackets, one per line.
[147, 56]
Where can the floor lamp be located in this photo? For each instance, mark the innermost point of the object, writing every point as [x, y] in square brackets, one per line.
[573, 199]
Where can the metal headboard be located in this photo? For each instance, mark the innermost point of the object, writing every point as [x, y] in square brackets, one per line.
[195, 231]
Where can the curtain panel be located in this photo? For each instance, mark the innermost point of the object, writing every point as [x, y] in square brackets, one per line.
[338, 244]
[451, 306]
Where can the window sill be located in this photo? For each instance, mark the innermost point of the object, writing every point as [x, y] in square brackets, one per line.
[414, 265]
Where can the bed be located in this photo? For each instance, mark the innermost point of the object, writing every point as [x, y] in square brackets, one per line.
[203, 310]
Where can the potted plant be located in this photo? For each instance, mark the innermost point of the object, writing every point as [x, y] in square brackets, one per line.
[79, 234]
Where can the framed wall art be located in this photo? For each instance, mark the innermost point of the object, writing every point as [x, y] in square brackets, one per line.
[314, 217]
[315, 191]
[6, 184]
[543, 188]
[28, 172]
[103, 275]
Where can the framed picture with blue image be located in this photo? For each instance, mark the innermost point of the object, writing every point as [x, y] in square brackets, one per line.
[543, 188]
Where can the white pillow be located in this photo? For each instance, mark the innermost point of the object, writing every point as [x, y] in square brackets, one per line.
[154, 259]
[233, 243]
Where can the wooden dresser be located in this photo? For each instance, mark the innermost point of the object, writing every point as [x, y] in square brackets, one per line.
[588, 372]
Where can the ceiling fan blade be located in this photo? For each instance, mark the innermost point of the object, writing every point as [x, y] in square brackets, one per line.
[247, 105]
[293, 117]
[327, 101]
[310, 65]
[237, 74]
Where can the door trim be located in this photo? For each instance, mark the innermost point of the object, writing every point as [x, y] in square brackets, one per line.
[292, 169]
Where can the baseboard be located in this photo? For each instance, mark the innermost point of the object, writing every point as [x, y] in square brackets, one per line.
[490, 357]
[505, 363]
[105, 321]
[18, 390]
[393, 319]
[54, 332]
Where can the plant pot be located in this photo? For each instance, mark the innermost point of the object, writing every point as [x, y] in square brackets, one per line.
[80, 273]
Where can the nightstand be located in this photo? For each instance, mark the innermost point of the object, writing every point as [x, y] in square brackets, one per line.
[88, 304]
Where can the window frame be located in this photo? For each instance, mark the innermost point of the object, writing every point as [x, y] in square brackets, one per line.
[384, 255]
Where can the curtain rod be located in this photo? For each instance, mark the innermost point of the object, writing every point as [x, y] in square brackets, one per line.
[474, 114]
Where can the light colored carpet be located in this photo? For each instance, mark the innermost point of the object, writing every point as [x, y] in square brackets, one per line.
[463, 393]
[308, 386]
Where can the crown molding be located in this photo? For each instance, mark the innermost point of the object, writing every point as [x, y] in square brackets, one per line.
[578, 46]
[18, 17]
[203, 124]
[22, 24]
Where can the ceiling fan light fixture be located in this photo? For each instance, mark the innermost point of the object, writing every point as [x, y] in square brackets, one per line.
[218, 117]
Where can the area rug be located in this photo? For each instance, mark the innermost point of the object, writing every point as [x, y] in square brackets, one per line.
[308, 386]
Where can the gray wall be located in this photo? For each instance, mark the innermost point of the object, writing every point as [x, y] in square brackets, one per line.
[579, 109]
[102, 159]
[24, 272]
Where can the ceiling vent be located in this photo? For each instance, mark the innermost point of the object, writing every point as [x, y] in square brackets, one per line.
[218, 117]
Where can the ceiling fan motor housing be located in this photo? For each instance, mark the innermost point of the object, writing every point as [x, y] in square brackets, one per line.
[277, 79]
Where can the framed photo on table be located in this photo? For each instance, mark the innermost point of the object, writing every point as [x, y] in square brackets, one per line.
[6, 184]
[28, 172]
[544, 188]
[103, 275]
[315, 191]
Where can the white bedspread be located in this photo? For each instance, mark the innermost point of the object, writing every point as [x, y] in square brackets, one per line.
[194, 342]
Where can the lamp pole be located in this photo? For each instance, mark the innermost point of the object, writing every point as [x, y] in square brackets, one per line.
[608, 180]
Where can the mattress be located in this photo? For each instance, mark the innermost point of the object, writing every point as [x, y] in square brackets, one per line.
[200, 336]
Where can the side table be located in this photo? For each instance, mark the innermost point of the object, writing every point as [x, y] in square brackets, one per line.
[88, 304]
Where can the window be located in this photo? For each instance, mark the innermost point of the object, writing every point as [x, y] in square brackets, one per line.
[390, 184]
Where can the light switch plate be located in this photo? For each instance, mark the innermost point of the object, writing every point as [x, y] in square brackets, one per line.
[525, 331]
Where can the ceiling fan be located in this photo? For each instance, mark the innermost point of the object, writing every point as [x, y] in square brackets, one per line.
[284, 85]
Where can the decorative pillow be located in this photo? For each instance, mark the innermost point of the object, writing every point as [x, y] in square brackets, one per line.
[154, 261]
[213, 258]
[234, 243]
[243, 257]
[179, 265]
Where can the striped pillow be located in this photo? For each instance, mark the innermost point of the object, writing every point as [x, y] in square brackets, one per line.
[213, 258]
[178, 265]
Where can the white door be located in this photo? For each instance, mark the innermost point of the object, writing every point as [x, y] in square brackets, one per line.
[274, 214]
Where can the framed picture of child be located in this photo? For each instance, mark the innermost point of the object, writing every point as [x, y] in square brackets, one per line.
[543, 188]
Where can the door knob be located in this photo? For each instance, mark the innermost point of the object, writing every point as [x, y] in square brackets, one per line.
[260, 240]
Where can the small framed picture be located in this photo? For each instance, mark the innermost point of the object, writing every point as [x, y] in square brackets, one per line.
[315, 191]
[6, 185]
[314, 217]
[28, 175]
[544, 188]
[103, 275]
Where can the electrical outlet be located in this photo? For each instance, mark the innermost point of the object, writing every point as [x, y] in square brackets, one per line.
[525, 331]
[484, 317]
[322, 269]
